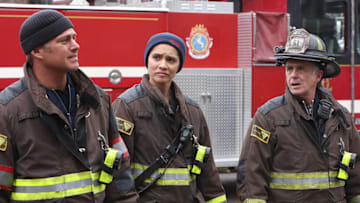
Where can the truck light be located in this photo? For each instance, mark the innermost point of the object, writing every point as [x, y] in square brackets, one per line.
[115, 76]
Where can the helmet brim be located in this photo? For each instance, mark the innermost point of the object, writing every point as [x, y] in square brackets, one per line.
[332, 68]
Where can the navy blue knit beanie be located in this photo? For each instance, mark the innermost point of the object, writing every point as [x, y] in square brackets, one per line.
[41, 27]
[167, 38]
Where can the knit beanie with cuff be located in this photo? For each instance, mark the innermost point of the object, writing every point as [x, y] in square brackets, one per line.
[166, 38]
[41, 27]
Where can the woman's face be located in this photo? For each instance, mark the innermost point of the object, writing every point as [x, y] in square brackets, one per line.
[163, 64]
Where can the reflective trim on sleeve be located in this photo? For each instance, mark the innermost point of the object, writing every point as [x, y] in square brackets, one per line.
[356, 199]
[305, 181]
[254, 201]
[6, 177]
[220, 199]
[172, 176]
[119, 144]
[56, 187]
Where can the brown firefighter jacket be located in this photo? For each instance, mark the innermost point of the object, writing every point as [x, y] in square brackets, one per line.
[153, 127]
[284, 159]
[42, 159]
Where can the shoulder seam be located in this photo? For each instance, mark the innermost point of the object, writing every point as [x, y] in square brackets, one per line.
[272, 104]
[12, 91]
[99, 90]
[190, 101]
[133, 93]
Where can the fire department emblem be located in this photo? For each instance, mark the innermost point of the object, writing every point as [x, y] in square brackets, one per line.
[260, 134]
[3, 142]
[326, 83]
[199, 42]
[125, 126]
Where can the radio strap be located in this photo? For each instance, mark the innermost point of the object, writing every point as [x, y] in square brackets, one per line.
[164, 160]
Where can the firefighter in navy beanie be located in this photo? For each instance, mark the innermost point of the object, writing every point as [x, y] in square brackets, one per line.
[166, 38]
[166, 132]
[55, 123]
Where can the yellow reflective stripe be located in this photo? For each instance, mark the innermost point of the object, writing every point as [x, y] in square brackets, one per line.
[110, 157]
[254, 201]
[192, 176]
[172, 176]
[196, 169]
[164, 182]
[161, 170]
[320, 48]
[54, 195]
[37, 189]
[303, 175]
[306, 186]
[168, 182]
[200, 154]
[109, 161]
[53, 180]
[105, 177]
[345, 160]
[97, 188]
[303, 181]
[356, 199]
[220, 199]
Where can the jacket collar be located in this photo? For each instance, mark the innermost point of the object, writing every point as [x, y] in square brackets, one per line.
[85, 88]
[291, 99]
[156, 95]
[322, 93]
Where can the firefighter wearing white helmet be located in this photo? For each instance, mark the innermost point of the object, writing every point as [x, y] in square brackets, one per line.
[301, 146]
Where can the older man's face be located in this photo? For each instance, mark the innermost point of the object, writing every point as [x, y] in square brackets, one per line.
[302, 78]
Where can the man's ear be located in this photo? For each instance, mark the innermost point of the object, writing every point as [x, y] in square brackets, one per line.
[320, 74]
[36, 53]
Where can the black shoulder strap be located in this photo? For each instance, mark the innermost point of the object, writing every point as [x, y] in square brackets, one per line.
[164, 160]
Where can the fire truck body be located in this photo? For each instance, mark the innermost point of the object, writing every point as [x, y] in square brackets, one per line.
[112, 44]
[229, 68]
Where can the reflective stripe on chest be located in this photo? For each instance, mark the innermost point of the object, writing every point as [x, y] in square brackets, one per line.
[305, 181]
[56, 187]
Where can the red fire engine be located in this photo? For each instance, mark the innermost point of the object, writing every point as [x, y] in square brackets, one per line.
[229, 70]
